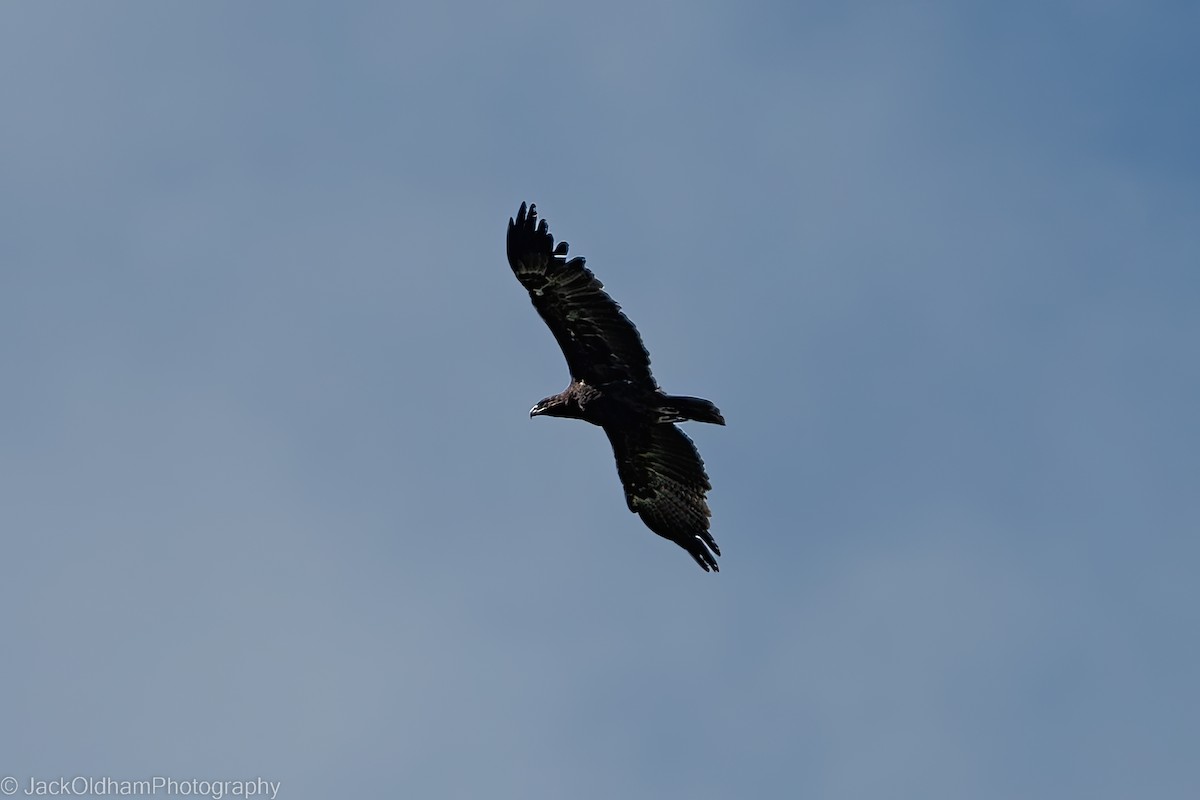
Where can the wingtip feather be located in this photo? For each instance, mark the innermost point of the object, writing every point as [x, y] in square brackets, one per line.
[703, 557]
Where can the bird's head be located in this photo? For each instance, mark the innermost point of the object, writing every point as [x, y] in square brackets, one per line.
[553, 406]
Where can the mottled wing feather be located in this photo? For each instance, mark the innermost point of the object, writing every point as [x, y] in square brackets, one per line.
[665, 484]
[599, 342]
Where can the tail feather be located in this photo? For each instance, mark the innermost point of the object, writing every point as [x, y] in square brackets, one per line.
[681, 407]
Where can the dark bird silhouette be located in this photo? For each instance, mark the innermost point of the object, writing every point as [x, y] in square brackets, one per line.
[611, 386]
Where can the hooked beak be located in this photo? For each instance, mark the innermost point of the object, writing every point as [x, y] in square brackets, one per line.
[533, 412]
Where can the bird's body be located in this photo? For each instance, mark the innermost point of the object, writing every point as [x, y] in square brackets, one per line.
[624, 403]
[612, 387]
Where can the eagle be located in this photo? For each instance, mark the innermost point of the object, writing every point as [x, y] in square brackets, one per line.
[611, 386]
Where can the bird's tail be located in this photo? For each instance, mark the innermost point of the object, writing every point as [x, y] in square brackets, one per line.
[676, 408]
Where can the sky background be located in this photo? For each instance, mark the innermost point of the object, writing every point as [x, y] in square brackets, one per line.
[272, 504]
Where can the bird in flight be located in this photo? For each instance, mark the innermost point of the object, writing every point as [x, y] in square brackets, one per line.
[611, 386]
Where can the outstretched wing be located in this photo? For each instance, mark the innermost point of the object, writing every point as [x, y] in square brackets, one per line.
[599, 341]
[665, 485]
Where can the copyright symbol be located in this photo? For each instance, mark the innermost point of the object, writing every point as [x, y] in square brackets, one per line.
[8, 785]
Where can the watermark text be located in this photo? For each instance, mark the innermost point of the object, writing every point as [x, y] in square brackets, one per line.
[88, 786]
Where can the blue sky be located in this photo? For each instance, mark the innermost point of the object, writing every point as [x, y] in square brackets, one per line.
[272, 504]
